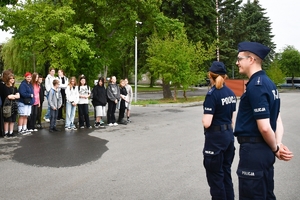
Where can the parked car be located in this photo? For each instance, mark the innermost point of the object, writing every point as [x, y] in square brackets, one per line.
[289, 85]
[205, 82]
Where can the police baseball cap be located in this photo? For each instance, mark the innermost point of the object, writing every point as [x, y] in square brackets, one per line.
[254, 47]
[218, 68]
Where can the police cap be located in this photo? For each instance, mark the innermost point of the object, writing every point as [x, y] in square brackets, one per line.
[218, 68]
[254, 47]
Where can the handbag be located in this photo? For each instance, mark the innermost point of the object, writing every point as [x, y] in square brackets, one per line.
[7, 108]
[27, 101]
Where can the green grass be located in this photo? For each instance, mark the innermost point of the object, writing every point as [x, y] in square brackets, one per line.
[168, 101]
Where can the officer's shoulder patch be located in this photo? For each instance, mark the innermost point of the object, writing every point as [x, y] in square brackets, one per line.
[258, 81]
[211, 91]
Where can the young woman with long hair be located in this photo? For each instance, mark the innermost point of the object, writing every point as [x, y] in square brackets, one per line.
[72, 98]
[34, 108]
[10, 92]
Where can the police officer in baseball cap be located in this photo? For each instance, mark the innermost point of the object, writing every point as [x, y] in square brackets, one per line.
[218, 151]
[259, 128]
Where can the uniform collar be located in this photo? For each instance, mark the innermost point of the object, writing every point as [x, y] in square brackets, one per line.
[256, 74]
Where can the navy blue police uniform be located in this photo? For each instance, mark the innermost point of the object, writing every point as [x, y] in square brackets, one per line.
[219, 147]
[260, 101]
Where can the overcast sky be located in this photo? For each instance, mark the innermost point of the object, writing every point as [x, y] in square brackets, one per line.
[283, 14]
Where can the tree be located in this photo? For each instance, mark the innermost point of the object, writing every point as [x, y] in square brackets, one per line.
[179, 66]
[8, 2]
[199, 17]
[275, 73]
[50, 35]
[229, 33]
[289, 61]
[255, 26]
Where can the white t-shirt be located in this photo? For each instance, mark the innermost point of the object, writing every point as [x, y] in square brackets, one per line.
[84, 91]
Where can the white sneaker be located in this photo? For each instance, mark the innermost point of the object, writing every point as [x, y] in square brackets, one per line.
[116, 124]
[35, 130]
[47, 120]
[30, 130]
[110, 124]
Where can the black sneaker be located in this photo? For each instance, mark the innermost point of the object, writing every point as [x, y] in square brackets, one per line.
[51, 130]
[12, 135]
[55, 129]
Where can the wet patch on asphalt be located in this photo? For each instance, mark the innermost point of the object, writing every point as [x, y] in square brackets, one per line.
[60, 149]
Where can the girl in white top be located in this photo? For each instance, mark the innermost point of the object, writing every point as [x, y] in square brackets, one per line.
[83, 104]
[72, 99]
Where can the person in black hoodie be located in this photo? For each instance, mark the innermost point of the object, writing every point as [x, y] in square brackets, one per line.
[99, 101]
[113, 96]
[122, 103]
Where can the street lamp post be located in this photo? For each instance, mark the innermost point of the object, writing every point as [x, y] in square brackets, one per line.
[135, 61]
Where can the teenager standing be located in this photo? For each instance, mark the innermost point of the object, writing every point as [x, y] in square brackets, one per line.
[10, 92]
[34, 108]
[55, 102]
[48, 84]
[72, 98]
[25, 102]
[63, 83]
[113, 96]
[83, 104]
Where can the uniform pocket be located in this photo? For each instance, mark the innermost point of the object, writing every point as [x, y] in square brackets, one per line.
[251, 184]
[212, 160]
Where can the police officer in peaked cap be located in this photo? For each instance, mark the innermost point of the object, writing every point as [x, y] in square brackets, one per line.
[218, 151]
[259, 128]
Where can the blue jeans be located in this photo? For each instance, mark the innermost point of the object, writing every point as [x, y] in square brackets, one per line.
[70, 115]
[53, 117]
[47, 115]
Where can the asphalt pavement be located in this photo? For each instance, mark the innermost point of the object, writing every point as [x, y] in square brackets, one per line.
[157, 156]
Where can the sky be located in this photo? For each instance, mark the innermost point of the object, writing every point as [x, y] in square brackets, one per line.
[283, 15]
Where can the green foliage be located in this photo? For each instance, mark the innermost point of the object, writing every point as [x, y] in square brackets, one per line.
[7, 2]
[229, 33]
[50, 35]
[199, 17]
[256, 27]
[275, 73]
[289, 61]
[176, 60]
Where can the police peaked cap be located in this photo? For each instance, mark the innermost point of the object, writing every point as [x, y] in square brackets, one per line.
[254, 47]
[218, 68]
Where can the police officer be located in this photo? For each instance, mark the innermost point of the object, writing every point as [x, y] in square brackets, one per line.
[218, 152]
[258, 127]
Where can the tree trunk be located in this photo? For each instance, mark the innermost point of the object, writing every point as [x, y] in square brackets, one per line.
[166, 90]
[184, 95]
[152, 80]
[175, 93]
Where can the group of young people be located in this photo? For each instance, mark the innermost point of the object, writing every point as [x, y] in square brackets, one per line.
[63, 94]
[24, 101]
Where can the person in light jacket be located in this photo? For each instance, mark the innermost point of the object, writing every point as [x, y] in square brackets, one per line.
[48, 85]
[55, 102]
[72, 99]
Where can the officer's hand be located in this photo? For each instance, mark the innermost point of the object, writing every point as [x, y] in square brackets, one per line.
[284, 153]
